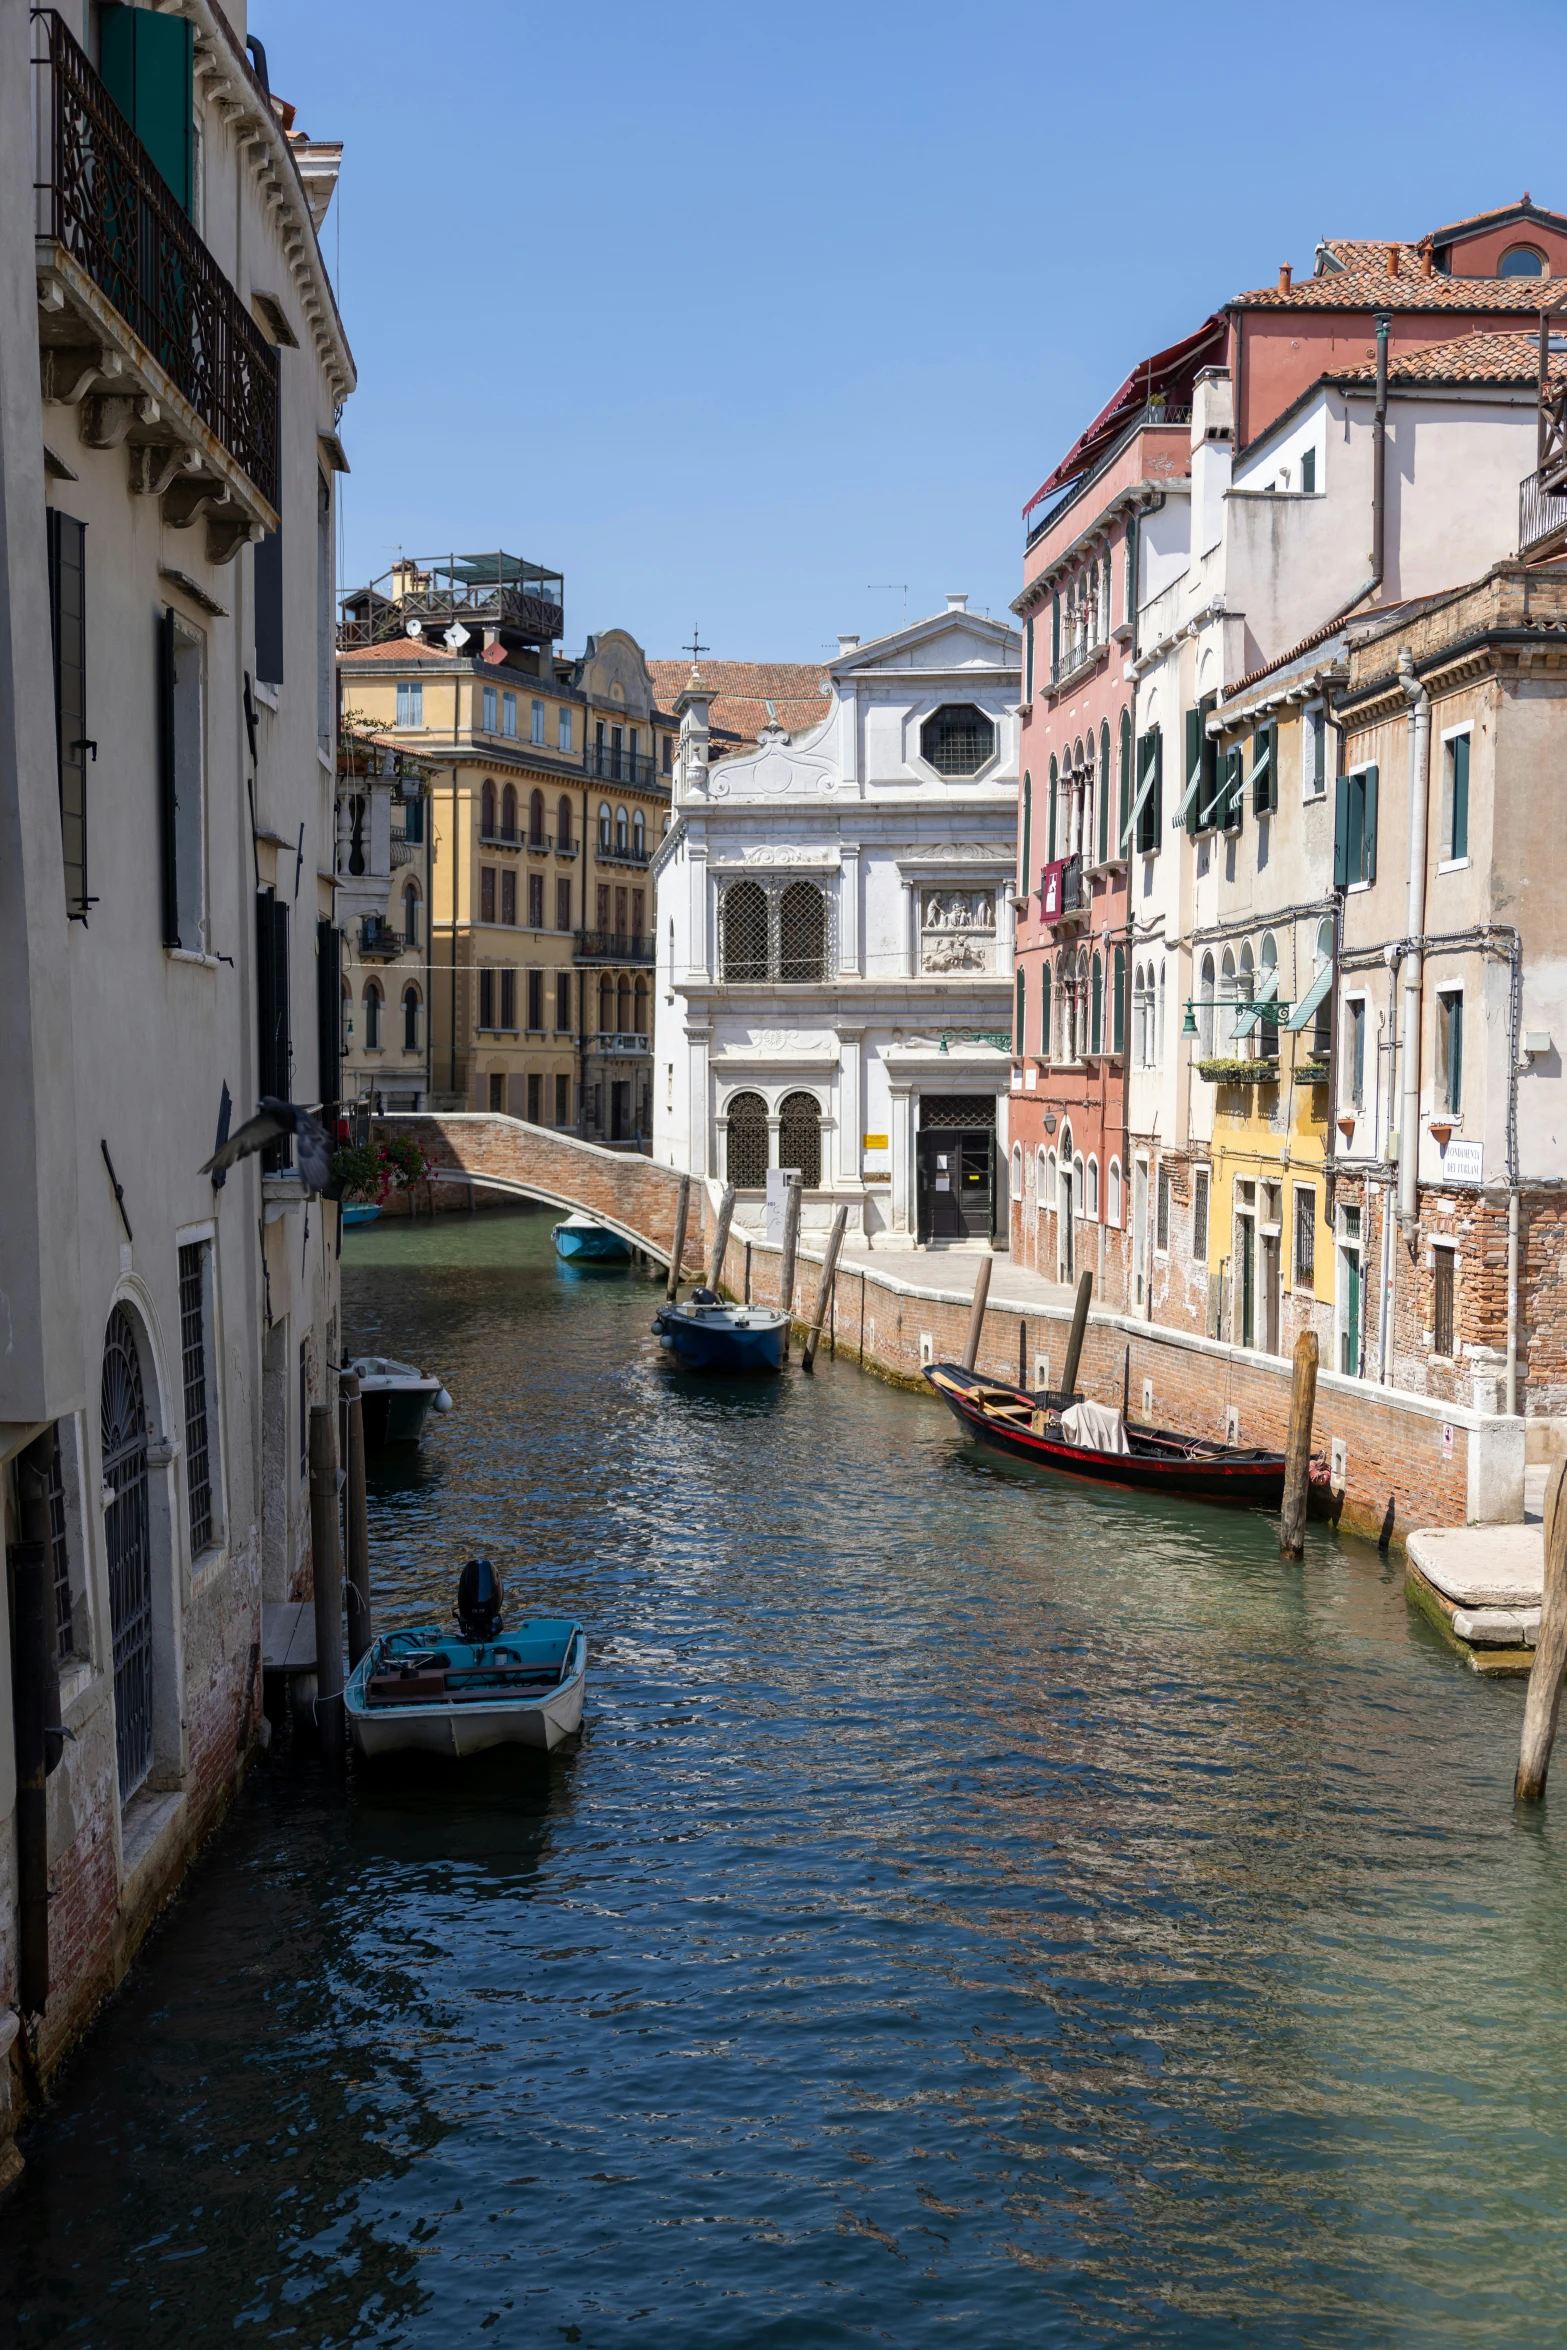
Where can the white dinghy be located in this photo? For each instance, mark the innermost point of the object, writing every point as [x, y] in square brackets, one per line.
[418, 1691]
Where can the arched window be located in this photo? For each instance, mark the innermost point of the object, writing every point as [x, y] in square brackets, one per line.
[1044, 1011]
[1020, 1024]
[622, 831]
[124, 1429]
[742, 932]
[1041, 1176]
[746, 1163]
[1521, 261]
[623, 1005]
[639, 1021]
[1226, 1017]
[563, 822]
[509, 812]
[410, 1019]
[410, 915]
[1113, 1191]
[1158, 1040]
[800, 1137]
[802, 932]
[1055, 786]
[1047, 1198]
[536, 818]
[1267, 1035]
[1025, 831]
[1123, 815]
[638, 834]
[1096, 1030]
[487, 809]
[1104, 788]
[1118, 1001]
[1078, 1189]
[1093, 1189]
[606, 826]
[373, 1001]
[1017, 1170]
[1205, 1009]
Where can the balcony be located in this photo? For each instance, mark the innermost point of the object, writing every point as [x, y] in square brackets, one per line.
[611, 765]
[1065, 894]
[611, 946]
[1542, 518]
[620, 1043]
[624, 853]
[139, 329]
[427, 595]
[379, 940]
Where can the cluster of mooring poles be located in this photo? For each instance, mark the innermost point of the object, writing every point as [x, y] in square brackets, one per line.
[331, 1431]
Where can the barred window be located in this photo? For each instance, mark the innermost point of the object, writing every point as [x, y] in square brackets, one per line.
[958, 739]
[59, 1551]
[800, 1137]
[1200, 1215]
[744, 932]
[747, 1160]
[193, 1358]
[802, 932]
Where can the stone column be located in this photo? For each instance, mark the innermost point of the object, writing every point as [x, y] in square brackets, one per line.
[699, 959]
[911, 927]
[849, 912]
[699, 1037]
[773, 1124]
[1006, 931]
[902, 1158]
[851, 1095]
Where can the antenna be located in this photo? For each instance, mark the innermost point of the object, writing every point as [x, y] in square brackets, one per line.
[696, 647]
[891, 587]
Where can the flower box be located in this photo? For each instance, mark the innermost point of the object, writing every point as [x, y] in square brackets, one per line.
[1224, 1072]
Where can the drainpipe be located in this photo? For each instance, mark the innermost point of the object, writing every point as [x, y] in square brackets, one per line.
[1378, 478]
[1414, 928]
[1512, 1300]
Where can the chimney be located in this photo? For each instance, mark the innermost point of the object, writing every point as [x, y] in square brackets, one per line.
[847, 644]
[1392, 260]
[1284, 277]
[1425, 261]
[957, 603]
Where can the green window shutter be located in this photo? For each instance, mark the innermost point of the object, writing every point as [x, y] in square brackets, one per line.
[1157, 826]
[1341, 833]
[147, 62]
[1209, 790]
[1028, 658]
[1055, 637]
[1458, 838]
[1021, 1031]
[1118, 1003]
[1193, 768]
[1044, 1011]
[1096, 1032]
[1051, 850]
[67, 547]
[1455, 1052]
[167, 835]
[1368, 868]
[1028, 825]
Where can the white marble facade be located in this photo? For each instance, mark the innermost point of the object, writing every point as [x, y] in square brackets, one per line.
[835, 926]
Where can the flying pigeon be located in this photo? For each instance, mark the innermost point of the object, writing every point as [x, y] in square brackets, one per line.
[274, 1119]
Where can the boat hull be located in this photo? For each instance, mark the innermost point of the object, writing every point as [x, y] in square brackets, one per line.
[396, 1415]
[725, 1340]
[576, 1244]
[471, 1726]
[359, 1214]
[1252, 1480]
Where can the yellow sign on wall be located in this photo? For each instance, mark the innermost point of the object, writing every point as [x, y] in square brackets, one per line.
[876, 1142]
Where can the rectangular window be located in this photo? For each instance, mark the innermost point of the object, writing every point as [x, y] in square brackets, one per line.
[563, 1101]
[304, 1413]
[1146, 810]
[182, 784]
[492, 709]
[410, 705]
[509, 897]
[1444, 1261]
[326, 628]
[274, 1059]
[603, 905]
[486, 893]
[563, 905]
[1308, 472]
[1455, 800]
[563, 731]
[638, 912]
[562, 1007]
[413, 820]
[508, 996]
[1356, 1072]
[1355, 830]
[1028, 658]
[535, 901]
[68, 632]
[669, 754]
[1305, 1236]
[1232, 789]
[148, 66]
[536, 1001]
[269, 608]
[509, 715]
[497, 1087]
[486, 999]
[1314, 753]
[1450, 1048]
[193, 1360]
[1200, 1181]
[60, 1552]
[535, 1109]
[1264, 776]
[1161, 1233]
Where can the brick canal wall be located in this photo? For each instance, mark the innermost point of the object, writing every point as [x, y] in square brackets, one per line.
[1400, 1461]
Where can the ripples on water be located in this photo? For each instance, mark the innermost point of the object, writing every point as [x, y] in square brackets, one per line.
[976, 1911]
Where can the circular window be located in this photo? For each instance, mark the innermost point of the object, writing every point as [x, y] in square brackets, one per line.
[1521, 261]
[957, 739]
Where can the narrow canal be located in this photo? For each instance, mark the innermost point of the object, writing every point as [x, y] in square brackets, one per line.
[975, 1911]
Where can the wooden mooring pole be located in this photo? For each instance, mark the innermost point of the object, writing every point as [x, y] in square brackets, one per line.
[976, 1312]
[1297, 1448]
[726, 1213]
[678, 1246]
[794, 1193]
[357, 1522]
[327, 1562]
[1550, 1649]
[1074, 1344]
[824, 1286]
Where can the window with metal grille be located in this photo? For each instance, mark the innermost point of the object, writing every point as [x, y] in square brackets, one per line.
[563, 1101]
[1161, 1235]
[535, 901]
[508, 997]
[800, 1137]
[802, 932]
[952, 1111]
[410, 1019]
[743, 932]
[747, 1156]
[1305, 1237]
[509, 897]
[59, 1551]
[1444, 1261]
[193, 1364]
[536, 999]
[957, 739]
[1200, 1215]
[486, 893]
[486, 999]
[563, 1004]
[128, 1548]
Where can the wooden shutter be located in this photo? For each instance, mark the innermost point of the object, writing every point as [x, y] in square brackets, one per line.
[1368, 856]
[167, 836]
[1193, 761]
[1118, 1003]
[1027, 828]
[1020, 1029]
[272, 1031]
[68, 632]
[1341, 833]
[1028, 659]
[1157, 800]
[1055, 640]
[1050, 852]
[269, 608]
[329, 1021]
[147, 62]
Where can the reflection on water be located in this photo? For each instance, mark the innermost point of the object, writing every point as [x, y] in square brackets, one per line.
[974, 1904]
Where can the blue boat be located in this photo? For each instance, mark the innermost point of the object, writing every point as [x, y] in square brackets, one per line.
[709, 1336]
[360, 1212]
[579, 1241]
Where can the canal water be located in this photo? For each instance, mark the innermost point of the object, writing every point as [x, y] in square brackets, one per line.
[976, 1911]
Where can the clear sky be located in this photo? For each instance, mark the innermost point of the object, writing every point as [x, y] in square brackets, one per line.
[747, 317]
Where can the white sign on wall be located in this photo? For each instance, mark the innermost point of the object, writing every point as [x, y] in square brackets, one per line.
[1463, 1162]
[776, 1188]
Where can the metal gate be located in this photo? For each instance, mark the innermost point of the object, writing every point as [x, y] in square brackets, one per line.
[124, 1416]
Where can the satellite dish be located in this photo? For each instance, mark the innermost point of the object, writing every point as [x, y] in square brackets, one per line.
[455, 638]
[414, 627]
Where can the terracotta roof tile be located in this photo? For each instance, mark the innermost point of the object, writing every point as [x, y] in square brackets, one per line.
[400, 649]
[1371, 285]
[743, 689]
[1478, 358]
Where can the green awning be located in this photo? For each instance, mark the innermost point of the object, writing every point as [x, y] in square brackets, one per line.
[1312, 998]
[1178, 820]
[1250, 1012]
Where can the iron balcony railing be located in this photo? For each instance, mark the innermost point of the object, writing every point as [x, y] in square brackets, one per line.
[379, 941]
[620, 1040]
[1542, 514]
[619, 766]
[626, 853]
[611, 946]
[98, 195]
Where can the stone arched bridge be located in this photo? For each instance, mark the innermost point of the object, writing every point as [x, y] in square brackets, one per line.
[619, 1188]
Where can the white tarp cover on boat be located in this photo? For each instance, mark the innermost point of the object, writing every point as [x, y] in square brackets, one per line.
[1097, 1425]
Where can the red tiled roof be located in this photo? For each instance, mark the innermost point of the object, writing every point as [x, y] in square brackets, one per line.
[1476, 359]
[1371, 285]
[401, 649]
[1523, 208]
[742, 690]
[1170, 372]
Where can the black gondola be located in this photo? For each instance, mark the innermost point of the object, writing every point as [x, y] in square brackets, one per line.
[1028, 1428]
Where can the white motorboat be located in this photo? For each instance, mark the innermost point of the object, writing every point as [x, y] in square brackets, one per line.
[397, 1399]
[419, 1691]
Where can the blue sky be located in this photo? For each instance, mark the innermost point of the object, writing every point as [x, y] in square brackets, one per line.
[733, 313]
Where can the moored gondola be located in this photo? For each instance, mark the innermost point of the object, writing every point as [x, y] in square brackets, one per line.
[1027, 1427]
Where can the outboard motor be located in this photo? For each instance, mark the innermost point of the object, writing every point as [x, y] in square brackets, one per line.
[704, 1297]
[479, 1595]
